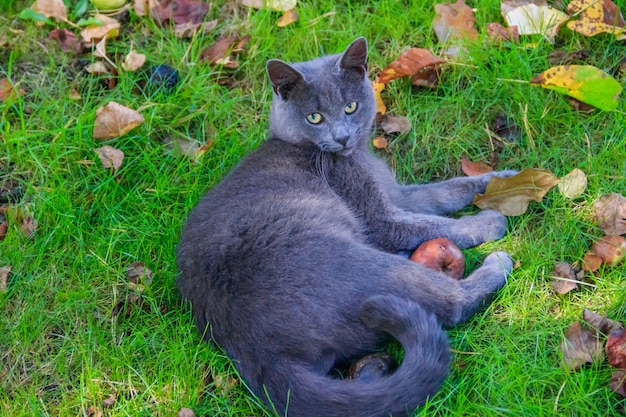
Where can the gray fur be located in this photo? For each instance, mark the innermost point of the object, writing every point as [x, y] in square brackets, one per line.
[289, 262]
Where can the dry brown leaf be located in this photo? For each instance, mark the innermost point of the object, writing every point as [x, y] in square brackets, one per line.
[68, 42]
[8, 91]
[616, 348]
[395, 124]
[180, 11]
[596, 16]
[109, 29]
[289, 16]
[591, 262]
[188, 148]
[133, 61]
[470, 168]
[98, 68]
[618, 382]
[51, 8]
[101, 49]
[4, 277]
[109, 401]
[600, 323]
[573, 184]
[185, 412]
[93, 411]
[110, 157]
[428, 77]
[610, 213]
[563, 278]
[499, 33]
[409, 63]
[454, 21]
[138, 273]
[28, 225]
[380, 142]
[223, 383]
[114, 120]
[581, 346]
[3, 226]
[187, 30]
[276, 5]
[511, 195]
[220, 52]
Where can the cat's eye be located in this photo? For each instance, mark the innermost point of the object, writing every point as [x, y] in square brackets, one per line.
[351, 107]
[315, 118]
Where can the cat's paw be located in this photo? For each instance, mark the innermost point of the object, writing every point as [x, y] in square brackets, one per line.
[490, 224]
[501, 260]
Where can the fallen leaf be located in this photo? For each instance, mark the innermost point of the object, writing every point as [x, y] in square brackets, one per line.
[93, 411]
[618, 382]
[600, 323]
[180, 11]
[563, 278]
[573, 184]
[470, 168]
[110, 157]
[378, 87]
[220, 52]
[597, 16]
[395, 124]
[499, 33]
[504, 130]
[289, 16]
[28, 225]
[533, 19]
[68, 42]
[581, 346]
[98, 68]
[223, 383]
[428, 77]
[586, 83]
[610, 213]
[409, 63]
[185, 412]
[565, 58]
[101, 48]
[4, 277]
[188, 148]
[109, 401]
[51, 8]
[8, 91]
[380, 142]
[189, 29]
[276, 5]
[133, 61]
[3, 226]
[616, 348]
[110, 28]
[115, 120]
[138, 273]
[511, 195]
[454, 21]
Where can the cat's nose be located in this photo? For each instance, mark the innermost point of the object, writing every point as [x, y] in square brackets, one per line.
[342, 140]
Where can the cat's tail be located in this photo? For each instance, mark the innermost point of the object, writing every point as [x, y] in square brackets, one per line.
[420, 375]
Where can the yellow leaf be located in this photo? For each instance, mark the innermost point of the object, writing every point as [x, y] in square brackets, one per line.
[380, 105]
[511, 195]
[380, 142]
[114, 120]
[276, 5]
[597, 16]
[290, 16]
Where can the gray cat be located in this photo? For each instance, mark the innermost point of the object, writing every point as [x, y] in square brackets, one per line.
[290, 263]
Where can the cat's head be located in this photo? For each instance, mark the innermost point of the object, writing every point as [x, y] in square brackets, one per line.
[328, 102]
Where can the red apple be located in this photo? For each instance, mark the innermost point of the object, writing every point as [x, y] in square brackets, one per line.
[442, 255]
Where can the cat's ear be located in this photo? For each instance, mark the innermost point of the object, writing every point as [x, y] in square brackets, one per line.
[355, 56]
[283, 76]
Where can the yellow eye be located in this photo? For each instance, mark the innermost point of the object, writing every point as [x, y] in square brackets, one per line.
[351, 107]
[315, 118]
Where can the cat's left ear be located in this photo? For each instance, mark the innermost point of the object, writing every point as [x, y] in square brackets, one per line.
[355, 56]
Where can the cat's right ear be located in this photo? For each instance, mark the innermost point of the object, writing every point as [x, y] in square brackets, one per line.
[283, 76]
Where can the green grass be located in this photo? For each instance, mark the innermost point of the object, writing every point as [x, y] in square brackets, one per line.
[61, 349]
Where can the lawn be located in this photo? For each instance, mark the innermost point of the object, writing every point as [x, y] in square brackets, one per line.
[79, 335]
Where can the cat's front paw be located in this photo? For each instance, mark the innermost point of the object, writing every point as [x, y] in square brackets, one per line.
[482, 227]
[500, 260]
